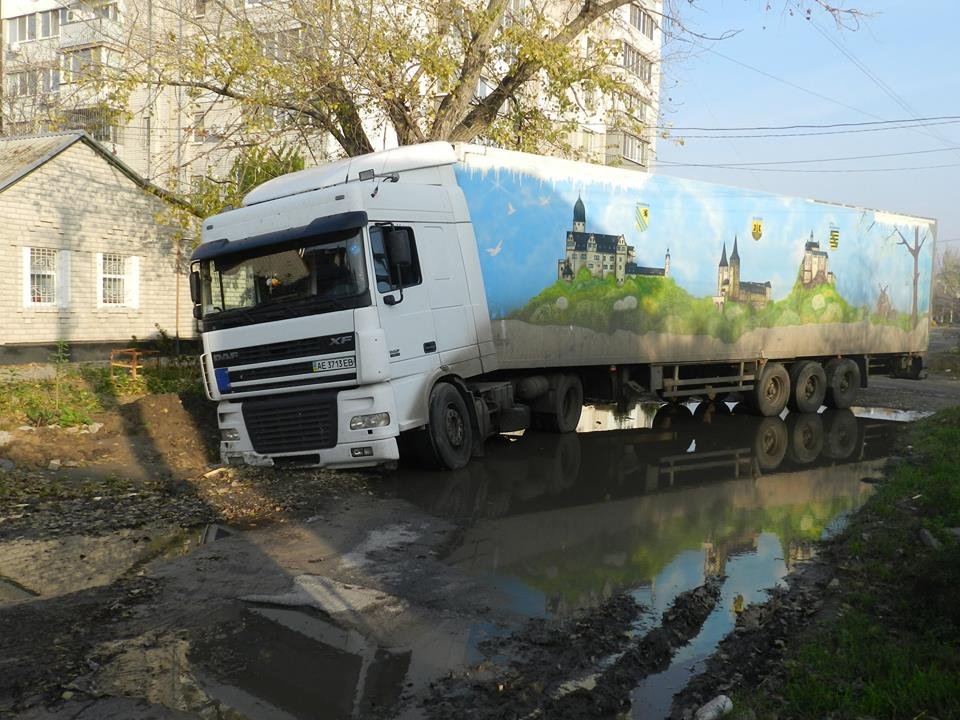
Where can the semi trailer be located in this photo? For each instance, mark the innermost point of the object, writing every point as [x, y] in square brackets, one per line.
[430, 296]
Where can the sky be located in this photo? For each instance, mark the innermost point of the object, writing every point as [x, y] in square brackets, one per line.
[909, 48]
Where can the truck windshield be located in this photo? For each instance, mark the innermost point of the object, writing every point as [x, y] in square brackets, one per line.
[317, 274]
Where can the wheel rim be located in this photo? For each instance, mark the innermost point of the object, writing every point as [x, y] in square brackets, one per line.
[809, 389]
[773, 389]
[453, 426]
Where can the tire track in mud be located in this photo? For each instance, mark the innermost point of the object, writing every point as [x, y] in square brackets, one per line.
[544, 656]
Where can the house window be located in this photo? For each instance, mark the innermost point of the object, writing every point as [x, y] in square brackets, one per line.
[107, 10]
[46, 280]
[514, 12]
[634, 149]
[98, 122]
[641, 20]
[199, 8]
[112, 277]
[636, 62]
[23, 28]
[118, 278]
[43, 276]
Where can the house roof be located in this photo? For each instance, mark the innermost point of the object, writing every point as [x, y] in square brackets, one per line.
[21, 155]
[605, 243]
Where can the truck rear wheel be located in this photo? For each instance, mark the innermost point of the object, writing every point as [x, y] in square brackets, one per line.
[448, 441]
[566, 404]
[769, 395]
[843, 380]
[808, 385]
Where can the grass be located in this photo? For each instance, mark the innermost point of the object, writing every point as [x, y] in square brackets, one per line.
[893, 648]
[77, 392]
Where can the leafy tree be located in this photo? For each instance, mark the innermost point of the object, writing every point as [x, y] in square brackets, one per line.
[516, 73]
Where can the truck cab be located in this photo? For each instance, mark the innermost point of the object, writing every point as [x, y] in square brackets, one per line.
[332, 302]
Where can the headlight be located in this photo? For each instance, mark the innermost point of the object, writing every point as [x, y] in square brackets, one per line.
[365, 422]
[229, 434]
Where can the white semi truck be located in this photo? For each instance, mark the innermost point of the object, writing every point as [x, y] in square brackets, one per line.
[429, 296]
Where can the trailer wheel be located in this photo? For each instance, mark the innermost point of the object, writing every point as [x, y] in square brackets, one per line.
[769, 395]
[843, 380]
[806, 437]
[448, 441]
[565, 406]
[770, 443]
[808, 385]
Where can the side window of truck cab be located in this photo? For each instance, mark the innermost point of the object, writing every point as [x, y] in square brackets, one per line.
[393, 278]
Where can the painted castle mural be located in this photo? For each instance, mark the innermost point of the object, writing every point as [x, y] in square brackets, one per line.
[640, 254]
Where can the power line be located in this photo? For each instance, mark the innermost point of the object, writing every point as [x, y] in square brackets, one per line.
[812, 127]
[823, 132]
[833, 159]
[666, 163]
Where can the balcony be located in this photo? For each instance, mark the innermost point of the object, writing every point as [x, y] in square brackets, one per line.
[96, 31]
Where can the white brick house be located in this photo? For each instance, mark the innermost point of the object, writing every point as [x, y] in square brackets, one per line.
[86, 251]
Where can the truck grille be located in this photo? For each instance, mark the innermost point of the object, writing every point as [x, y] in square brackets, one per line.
[323, 345]
[292, 423]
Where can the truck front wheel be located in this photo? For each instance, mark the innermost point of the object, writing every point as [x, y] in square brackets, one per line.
[843, 381]
[448, 441]
[769, 395]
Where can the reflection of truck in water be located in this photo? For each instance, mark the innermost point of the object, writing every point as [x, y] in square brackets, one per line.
[441, 294]
[581, 516]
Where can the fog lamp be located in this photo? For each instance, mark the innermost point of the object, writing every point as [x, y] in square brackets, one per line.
[365, 422]
[229, 434]
[361, 452]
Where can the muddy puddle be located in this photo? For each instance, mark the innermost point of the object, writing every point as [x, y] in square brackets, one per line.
[658, 503]
[31, 569]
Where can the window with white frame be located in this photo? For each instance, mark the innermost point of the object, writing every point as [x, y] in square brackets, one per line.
[46, 280]
[118, 280]
[22, 84]
[641, 20]
[634, 149]
[50, 22]
[636, 62]
[22, 28]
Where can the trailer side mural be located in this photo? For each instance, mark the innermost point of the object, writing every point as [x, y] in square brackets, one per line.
[637, 267]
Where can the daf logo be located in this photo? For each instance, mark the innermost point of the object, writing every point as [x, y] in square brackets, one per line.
[340, 339]
[217, 357]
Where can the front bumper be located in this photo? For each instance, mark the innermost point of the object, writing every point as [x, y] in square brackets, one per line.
[352, 449]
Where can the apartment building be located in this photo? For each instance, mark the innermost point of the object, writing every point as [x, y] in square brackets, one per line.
[174, 135]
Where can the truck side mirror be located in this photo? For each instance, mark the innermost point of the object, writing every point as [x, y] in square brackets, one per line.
[195, 286]
[399, 256]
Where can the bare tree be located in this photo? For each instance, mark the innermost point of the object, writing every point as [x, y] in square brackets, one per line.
[914, 249]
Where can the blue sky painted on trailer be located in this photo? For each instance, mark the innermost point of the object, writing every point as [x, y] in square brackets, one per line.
[521, 218]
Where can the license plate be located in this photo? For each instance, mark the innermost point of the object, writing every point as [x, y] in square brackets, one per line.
[344, 363]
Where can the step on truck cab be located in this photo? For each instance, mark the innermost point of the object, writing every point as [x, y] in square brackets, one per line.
[437, 294]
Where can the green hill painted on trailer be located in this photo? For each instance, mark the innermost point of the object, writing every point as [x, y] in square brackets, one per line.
[657, 304]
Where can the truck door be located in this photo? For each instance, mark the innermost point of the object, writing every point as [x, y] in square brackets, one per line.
[407, 323]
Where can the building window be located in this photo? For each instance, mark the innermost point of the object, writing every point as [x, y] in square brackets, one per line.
[50, 22]
[50, 80]
[641, 20]
[637, 63]
[81, 64]
[634, 149]
[21, 29]
[118, 278]
[46, 279]
[284, 45]
[107, 10]
[22, 84]
[98, 122]
[514, 12]
[199, 8]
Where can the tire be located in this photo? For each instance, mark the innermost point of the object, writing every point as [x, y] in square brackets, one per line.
[808, 386]
[805, 433]
[671, 417]
[565, 406]
[769, 395]
[708, 411]
[843, 381]
[447, 443]
[770, 443]
[841, 434]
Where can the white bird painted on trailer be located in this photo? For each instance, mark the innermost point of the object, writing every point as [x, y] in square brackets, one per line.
[510, 209]
[494, 251]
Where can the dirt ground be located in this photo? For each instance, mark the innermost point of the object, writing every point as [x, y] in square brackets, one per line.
[141, 548]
